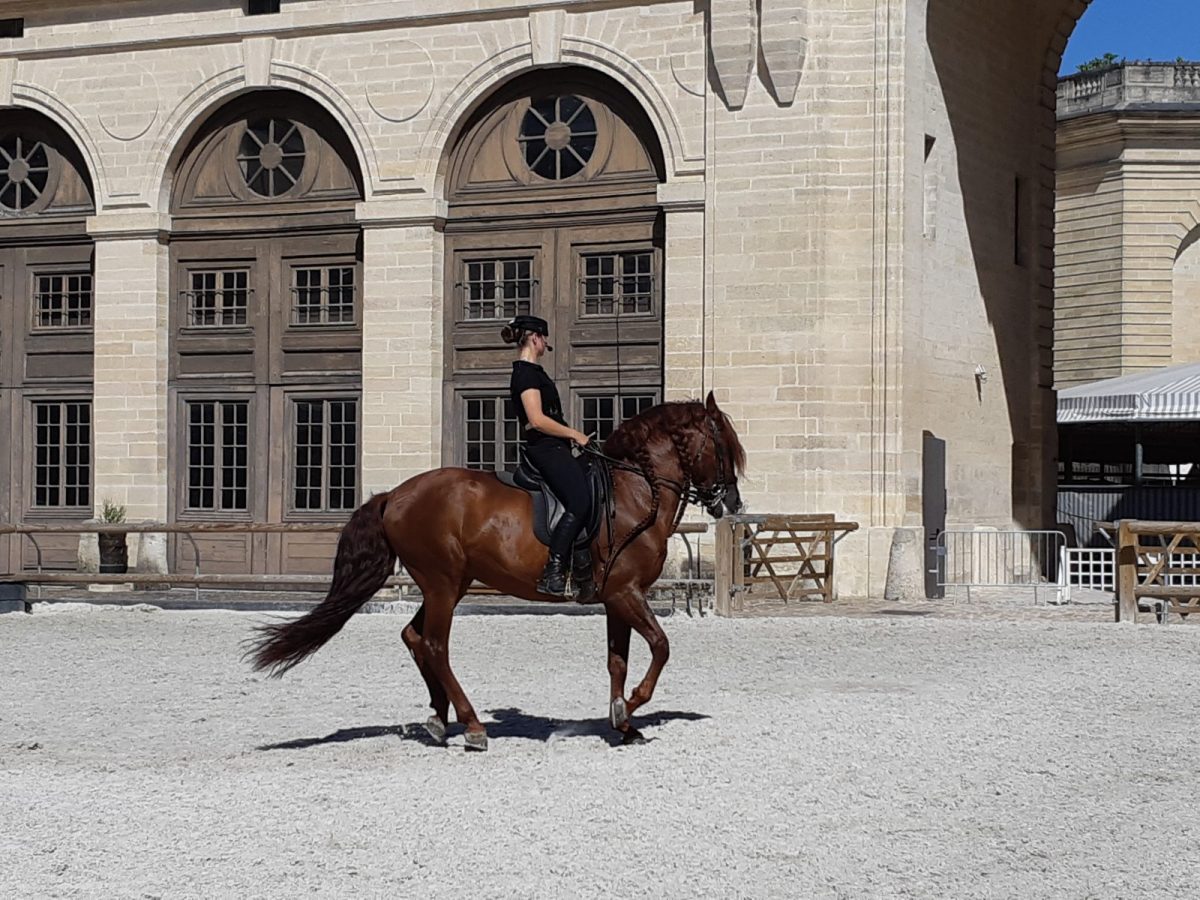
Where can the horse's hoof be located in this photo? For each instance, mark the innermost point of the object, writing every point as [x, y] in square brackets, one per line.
[618, 713]
[476, 740]
[632, 738]
[436, 728]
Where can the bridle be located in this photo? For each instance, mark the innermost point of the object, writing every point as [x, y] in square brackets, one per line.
[689, 491]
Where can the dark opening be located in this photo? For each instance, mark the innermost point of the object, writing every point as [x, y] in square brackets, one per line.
[261, 7]
[12, 28]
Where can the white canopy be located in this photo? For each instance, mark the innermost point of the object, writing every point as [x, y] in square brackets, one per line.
[1160, 395]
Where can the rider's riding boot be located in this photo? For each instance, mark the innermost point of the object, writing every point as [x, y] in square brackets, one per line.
[554, 577]
[581, 576]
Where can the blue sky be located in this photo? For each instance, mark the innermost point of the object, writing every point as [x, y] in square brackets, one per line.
[1136, 29]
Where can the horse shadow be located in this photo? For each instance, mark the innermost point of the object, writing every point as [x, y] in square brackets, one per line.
[508, 722]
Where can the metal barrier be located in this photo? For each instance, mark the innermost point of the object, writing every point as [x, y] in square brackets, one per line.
[1002, 559]
[1090, 569]
[197, 579]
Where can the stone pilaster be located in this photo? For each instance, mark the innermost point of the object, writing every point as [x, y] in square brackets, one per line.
[684, 299]
[130, 377]
[402, 340]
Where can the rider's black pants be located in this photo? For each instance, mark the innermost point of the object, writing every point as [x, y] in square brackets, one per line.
[568, 478]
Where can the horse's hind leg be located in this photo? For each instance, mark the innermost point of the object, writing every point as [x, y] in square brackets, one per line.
[412, 635]
[618, 668]
[435, 638]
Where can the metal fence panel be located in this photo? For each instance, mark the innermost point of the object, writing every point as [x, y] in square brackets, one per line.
[1001, 559]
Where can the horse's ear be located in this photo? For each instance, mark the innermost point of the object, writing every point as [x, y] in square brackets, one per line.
[710, 405]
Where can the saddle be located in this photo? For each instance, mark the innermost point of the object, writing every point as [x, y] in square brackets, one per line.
[548, 509]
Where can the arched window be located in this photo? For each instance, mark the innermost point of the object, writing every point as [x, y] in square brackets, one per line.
[553, 211]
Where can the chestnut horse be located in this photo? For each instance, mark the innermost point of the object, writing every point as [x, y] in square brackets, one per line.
[452, 526]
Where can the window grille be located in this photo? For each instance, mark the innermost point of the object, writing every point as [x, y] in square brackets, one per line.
[618, 282]
[62, 301]
[323, 296]
[498, 288]
[492, 433]
[218, 298]
[600, 412]
[62, 447]
[325, 454]
[218, 455]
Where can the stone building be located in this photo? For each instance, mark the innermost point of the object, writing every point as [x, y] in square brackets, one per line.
[256, 252]
[1128, 221]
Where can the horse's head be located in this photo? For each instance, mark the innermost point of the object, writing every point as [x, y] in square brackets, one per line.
[719, 460]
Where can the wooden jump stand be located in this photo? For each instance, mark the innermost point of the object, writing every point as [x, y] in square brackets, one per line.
[1148, 571]
[793, 553]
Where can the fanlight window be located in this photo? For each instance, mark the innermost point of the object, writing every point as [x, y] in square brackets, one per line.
[271, 156]
[26, 170]
[558, 136]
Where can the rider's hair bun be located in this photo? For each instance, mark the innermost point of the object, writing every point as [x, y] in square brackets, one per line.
[510, 335]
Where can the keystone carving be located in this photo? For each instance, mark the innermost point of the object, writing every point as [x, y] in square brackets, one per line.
[546, 29]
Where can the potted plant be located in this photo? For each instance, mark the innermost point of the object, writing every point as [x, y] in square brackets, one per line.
[114, 555]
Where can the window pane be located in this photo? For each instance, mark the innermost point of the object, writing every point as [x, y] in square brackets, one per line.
[63, 301]
[219, 297]
[497, 288]
[62, 439]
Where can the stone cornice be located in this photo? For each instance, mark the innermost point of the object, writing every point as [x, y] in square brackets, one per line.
[129, 225]
[681, 196]
[402, 212]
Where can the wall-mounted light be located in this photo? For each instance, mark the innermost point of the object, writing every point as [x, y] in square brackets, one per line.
[981, 375]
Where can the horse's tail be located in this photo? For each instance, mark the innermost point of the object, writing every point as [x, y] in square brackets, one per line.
[364, 561]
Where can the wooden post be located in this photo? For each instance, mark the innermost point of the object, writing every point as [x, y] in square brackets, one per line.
[726, 559]
[1126, 609]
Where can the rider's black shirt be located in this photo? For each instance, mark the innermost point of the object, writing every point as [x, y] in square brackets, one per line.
[526, 375]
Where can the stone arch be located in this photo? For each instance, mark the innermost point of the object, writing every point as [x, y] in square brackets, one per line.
[31, 97]
[206, 100]
[551, 188]
[475, 89]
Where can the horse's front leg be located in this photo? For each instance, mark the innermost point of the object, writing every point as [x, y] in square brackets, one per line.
[635, 613]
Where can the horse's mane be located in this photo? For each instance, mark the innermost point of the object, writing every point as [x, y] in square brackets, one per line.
[634, 435]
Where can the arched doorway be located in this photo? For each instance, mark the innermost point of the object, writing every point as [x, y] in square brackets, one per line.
[46, 268]
[266, 332]
[552, 210]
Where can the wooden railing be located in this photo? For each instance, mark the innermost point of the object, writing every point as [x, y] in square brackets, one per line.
[792, 553]
[196, 578]
[1166, 568]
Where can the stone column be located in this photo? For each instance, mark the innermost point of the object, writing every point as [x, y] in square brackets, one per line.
[402, 340]
[684, 309]
[130, 326]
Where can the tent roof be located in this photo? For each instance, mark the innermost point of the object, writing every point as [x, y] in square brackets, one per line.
[1159, 395]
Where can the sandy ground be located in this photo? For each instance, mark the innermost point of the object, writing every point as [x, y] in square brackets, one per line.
[800, 757]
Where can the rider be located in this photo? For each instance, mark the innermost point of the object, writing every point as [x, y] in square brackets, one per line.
[547, 443]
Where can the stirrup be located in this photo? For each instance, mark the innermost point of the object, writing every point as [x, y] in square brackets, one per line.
[553, 581]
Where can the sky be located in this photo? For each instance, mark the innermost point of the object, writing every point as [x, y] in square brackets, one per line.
[1136, 29]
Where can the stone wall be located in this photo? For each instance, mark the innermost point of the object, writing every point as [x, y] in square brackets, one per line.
[1128, 201]
[835, 287]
